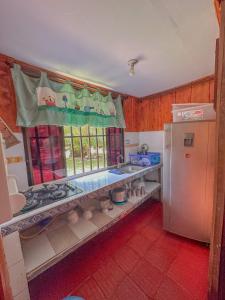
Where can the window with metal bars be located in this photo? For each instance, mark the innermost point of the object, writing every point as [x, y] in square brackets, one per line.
[55, 152]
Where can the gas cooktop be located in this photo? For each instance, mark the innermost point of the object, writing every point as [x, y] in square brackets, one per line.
[48, 194]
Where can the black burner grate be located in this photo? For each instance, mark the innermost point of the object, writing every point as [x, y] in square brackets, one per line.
[48, 194]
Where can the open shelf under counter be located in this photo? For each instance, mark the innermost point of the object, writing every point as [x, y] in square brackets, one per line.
[94, 185]
[62, 238]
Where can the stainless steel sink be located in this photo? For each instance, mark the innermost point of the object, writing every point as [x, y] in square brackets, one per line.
[131, 169]
[127, 169]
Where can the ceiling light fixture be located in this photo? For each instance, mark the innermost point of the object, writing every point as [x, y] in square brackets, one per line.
[132, 63]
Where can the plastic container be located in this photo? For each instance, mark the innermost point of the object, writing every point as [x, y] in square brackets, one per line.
[193, 112]
[149, 159]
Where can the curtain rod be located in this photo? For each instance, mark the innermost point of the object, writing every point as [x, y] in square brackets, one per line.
[54, 76]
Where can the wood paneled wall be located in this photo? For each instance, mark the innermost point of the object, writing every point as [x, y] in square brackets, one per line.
[151, 112]
[130, 106]
[217, 4]
[7, 97]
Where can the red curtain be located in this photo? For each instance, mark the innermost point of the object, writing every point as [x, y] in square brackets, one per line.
[47, 155]
[115, 145]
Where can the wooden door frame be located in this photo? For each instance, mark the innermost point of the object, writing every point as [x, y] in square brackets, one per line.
[217, 251]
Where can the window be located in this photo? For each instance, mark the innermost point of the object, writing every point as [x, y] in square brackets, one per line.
[85, 149]
[55, 152]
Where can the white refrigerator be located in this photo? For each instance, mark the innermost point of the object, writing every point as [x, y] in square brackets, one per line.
[188, 178]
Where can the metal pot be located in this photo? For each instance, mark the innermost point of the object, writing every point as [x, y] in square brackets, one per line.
[119, 195]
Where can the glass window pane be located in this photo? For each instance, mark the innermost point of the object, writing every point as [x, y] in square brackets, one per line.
[87, 164]
[69, 156]
[79, 165]
[86, 154]
[77, 155]
[104, 131]
[99, 131]
[105, 151]
[92, 131]
[84, 130]
[76, 131]
[101, 152]
[67, 130]
[94, 153]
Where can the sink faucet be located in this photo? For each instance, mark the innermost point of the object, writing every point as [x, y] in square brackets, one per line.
[120, 156]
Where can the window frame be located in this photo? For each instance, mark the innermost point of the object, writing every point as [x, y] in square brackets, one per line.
[80, 136]
[106, 150]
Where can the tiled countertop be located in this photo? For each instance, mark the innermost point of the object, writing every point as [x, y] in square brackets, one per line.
[93, 186]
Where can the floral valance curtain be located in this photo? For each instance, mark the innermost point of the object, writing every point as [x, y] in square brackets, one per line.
[41, 101]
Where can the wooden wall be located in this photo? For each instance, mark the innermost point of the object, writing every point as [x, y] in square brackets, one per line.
[151, 112]
[130, 113]
[7, 97]
[217, 5]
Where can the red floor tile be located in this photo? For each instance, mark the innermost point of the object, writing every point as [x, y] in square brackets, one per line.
[156, 220]
[160, 257]
[128, 290]
[170, 290]
[147, 277]
[126, 258]
[170, 241]
[139, 244]
[151, 233]
[89, 290]
[108, 277]
[191, 271]
[134, 260]
[195, 248]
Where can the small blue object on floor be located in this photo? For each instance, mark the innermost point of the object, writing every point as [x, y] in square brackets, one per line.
[73, 298]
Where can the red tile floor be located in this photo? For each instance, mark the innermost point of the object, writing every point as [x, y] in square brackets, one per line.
[133, 260]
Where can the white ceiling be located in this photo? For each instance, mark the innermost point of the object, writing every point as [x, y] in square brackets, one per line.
[94, 39]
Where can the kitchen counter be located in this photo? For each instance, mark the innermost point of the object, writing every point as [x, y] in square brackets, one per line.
[93, 186]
